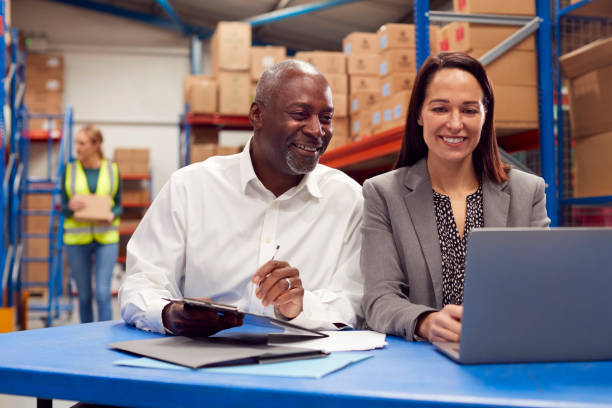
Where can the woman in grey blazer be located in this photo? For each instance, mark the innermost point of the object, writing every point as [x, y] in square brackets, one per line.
[449, 179]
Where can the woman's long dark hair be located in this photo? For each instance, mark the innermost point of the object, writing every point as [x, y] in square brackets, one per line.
[486, 157]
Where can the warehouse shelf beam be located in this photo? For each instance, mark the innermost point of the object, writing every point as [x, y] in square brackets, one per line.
[510, 42]
[546, 113]
[295, 11]
[587, 200]
[165, 4]
[161, 22]
[449, 16]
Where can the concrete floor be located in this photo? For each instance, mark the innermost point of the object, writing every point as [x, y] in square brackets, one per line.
[37, 320]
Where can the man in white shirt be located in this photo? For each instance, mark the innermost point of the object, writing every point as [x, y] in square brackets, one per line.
[213, 230]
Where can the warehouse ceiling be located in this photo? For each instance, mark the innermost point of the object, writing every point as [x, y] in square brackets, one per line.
[322, 29]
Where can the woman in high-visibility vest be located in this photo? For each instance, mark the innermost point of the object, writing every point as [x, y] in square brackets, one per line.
[91, 243]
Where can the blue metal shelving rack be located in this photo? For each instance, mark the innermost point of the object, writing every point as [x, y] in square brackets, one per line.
[561, 14]
[12, 89]
[542, 26]
[54, 233]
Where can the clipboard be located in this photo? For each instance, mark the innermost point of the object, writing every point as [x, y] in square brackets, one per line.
[290, 331]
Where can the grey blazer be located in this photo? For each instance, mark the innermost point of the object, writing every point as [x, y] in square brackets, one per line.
[400, 253]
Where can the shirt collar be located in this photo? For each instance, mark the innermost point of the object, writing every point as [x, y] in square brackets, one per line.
[247, 173]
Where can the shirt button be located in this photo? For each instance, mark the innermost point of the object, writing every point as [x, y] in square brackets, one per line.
[274, 204]
[268, 240]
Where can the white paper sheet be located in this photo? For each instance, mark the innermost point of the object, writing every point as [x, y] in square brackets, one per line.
[349, 340]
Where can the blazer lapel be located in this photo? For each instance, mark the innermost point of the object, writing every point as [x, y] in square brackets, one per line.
[496, 203]
[419, 201]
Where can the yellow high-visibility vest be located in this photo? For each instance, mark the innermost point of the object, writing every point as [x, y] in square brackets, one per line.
[83, 233]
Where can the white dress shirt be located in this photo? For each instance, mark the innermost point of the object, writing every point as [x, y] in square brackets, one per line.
[214, 224]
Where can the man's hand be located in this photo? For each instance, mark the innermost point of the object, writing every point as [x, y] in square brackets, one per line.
[280, 285]
[185, 320]
[444, 325]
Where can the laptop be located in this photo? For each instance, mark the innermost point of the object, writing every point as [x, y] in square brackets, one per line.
[535, 295]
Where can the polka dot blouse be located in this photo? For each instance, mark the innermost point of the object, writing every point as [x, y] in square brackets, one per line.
[452, 246]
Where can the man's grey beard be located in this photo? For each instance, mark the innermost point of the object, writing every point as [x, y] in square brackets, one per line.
[298, 166]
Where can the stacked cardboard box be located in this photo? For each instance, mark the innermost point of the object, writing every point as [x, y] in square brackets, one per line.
[263, 58]
[230, 63]
[333, 66]
[397, 72]
[514, 74]
[132, 161]
[589, 70]
[45, 87]
[363, 58]
[36, 271]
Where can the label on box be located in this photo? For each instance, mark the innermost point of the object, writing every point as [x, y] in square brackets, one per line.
[387, 115]
[460, 33]
[52, 85]
[356, 126]
[386, 89]
[383, 68]
[444, 45]
[53, 62]
[383, 41]
[348, 48]
[355, 104]
[376, 118]
[461, 4]
[267, 61]
[397, 111]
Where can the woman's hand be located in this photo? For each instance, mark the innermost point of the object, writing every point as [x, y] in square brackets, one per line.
[76, 203]
[444, 325]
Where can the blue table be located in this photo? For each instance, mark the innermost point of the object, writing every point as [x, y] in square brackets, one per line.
[74, 363]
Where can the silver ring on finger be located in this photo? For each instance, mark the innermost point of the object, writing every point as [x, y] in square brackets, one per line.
[289, 284]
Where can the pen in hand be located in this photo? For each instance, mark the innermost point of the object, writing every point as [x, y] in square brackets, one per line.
[271, 259]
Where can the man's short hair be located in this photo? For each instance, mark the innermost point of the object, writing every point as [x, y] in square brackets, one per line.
[272, 77]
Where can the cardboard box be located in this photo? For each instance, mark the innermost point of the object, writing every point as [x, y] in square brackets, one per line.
[590, 100]
[516, 107]
[394, 110]
[376, 122]
[131, 155]
[465, 37]
[202, 94]
[45, 62]
[396, 36]
[96, 208]
[360, 83]
[363, 100]
[519, 7]
[340, 105]
[234, 93]
[394, 83]
[592, 165]
[363, 64]
[340, 127]
[36, 272]
[252, 91]
[327, 62]
[397, 60]
[35, 201]
[338, 141]
[592, 56]
[227, 150]
[338, 83]
[590, 87]
[203, 134]
[201, 152]
[444, 38]
[263, 58]
[133, 168]
[360, 43]
[512, 68]
[37, 224]
[37, 247]
[230, 47]
[361, 124]
[434, 39]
